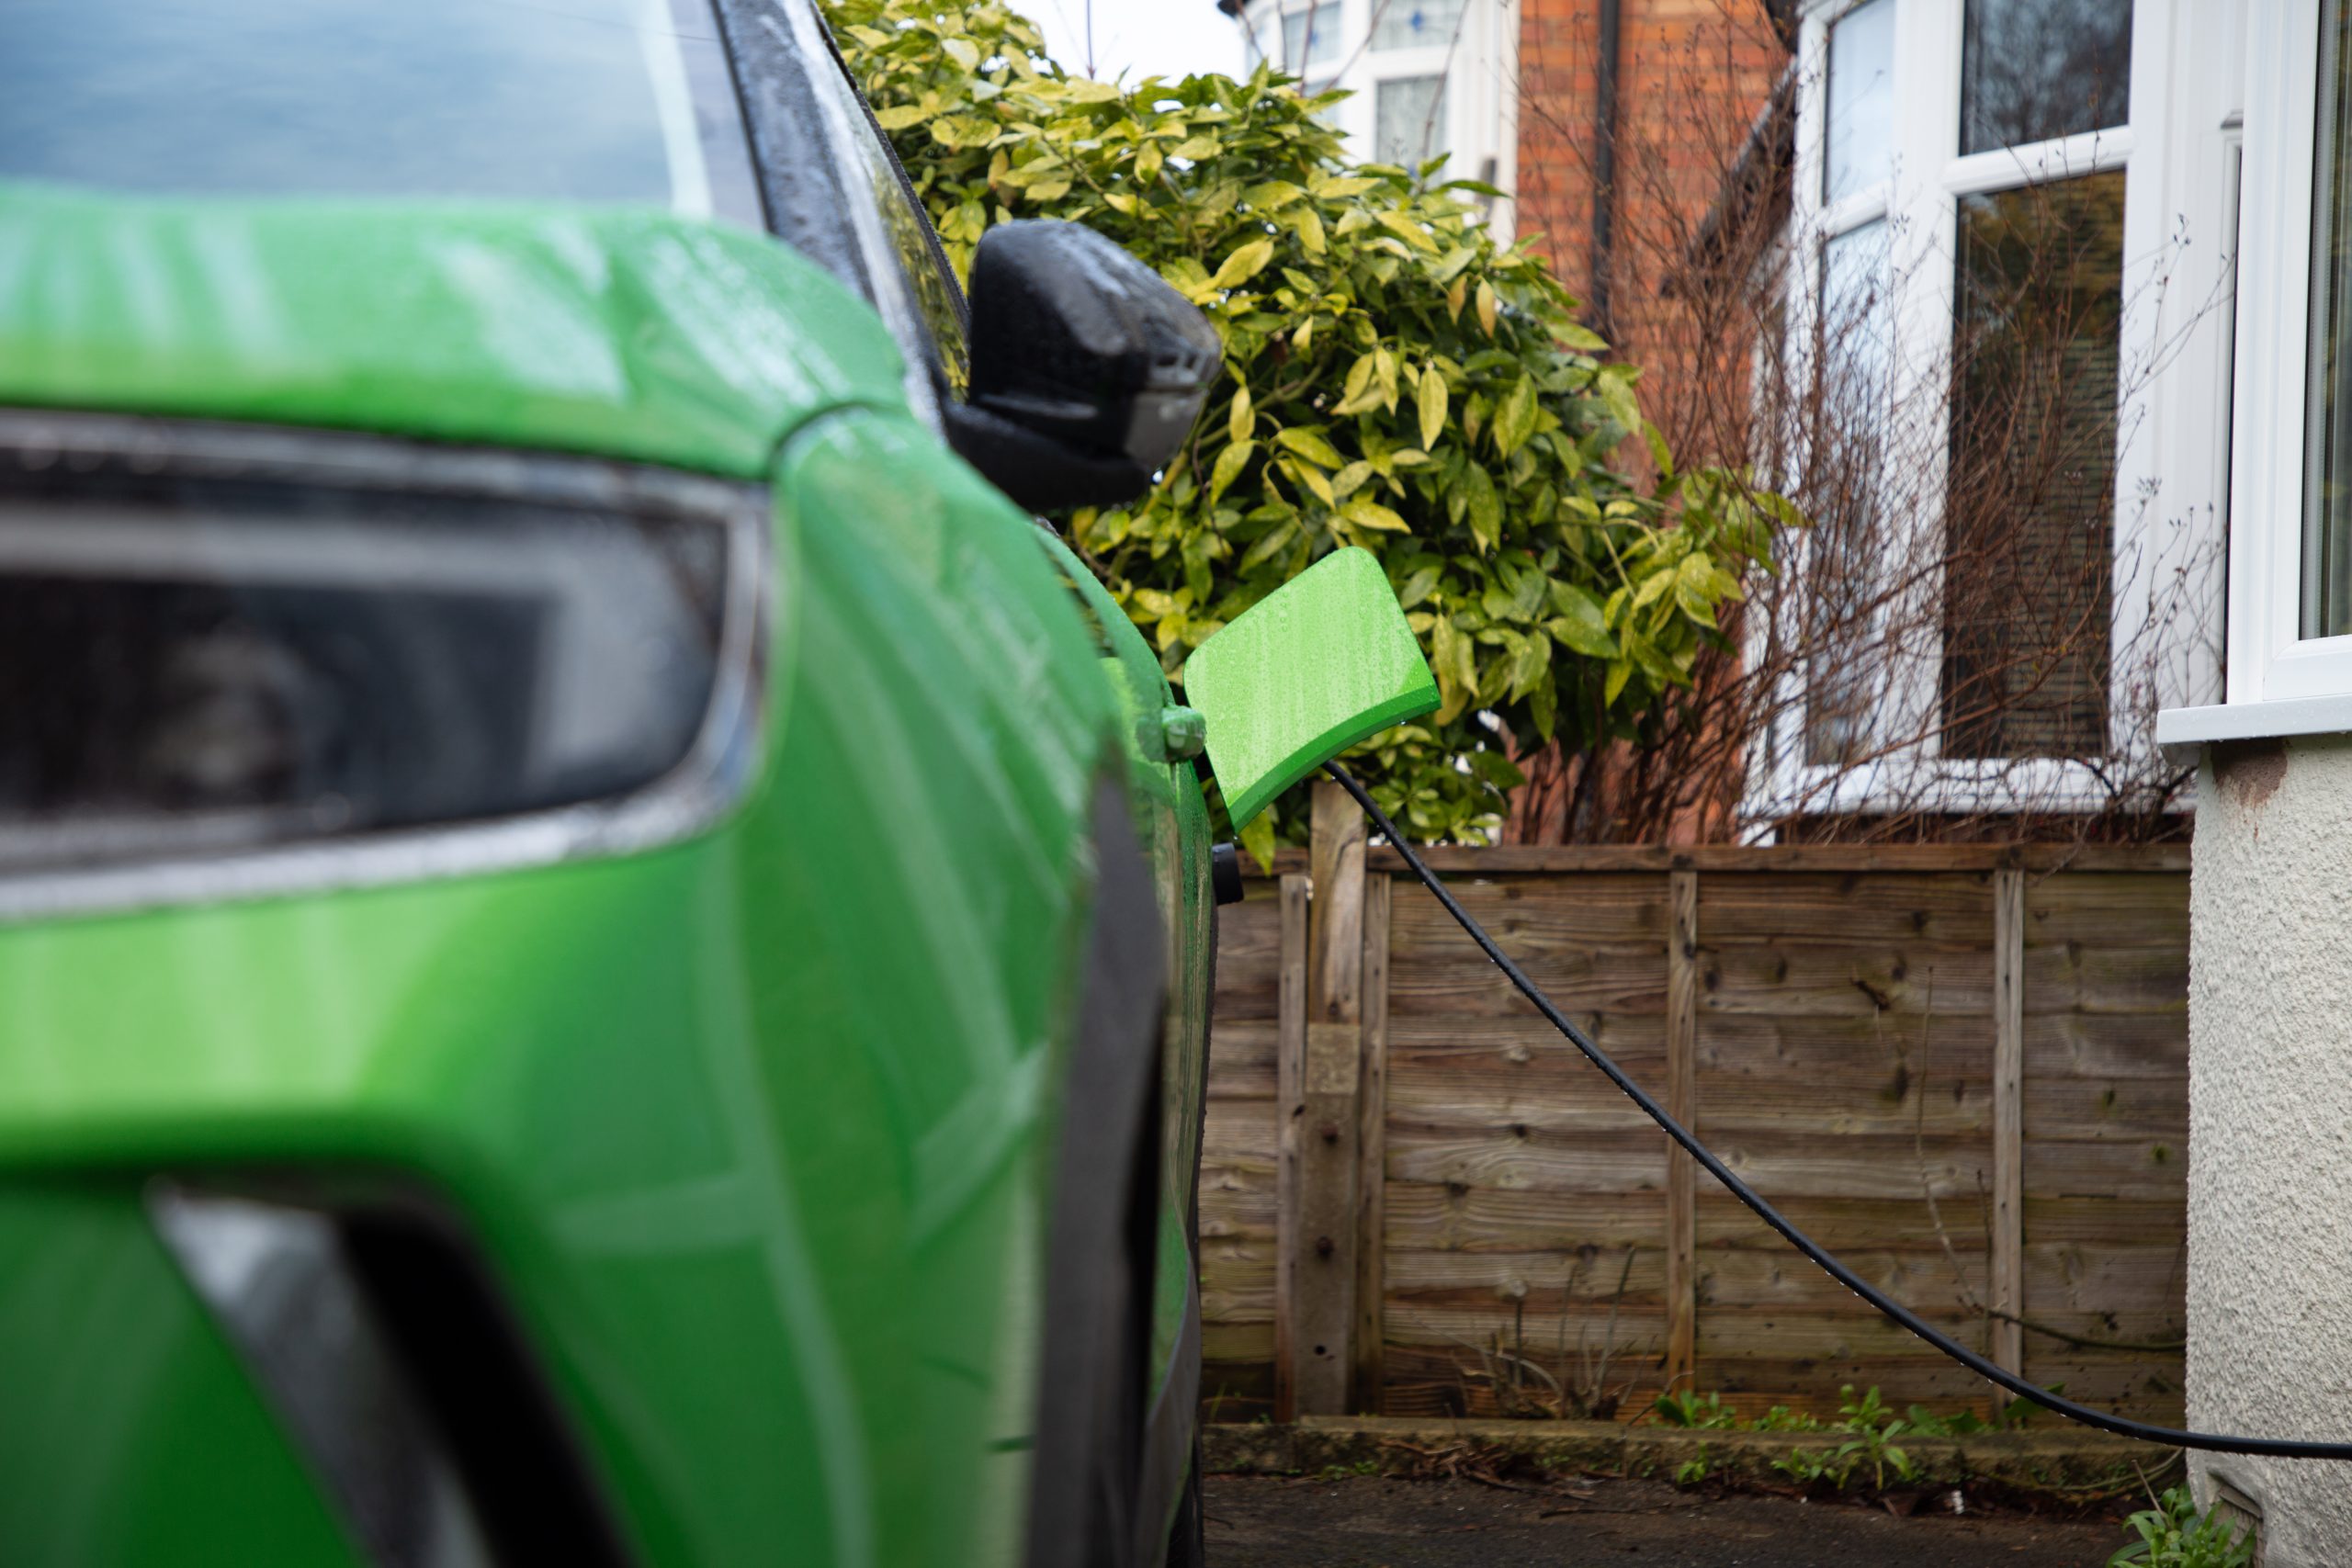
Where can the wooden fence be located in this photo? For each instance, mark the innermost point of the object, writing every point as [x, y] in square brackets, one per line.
[1963, 1068]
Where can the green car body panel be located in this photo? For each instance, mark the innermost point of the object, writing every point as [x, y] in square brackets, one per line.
[754, 1129]
[133, 1435]
[611, 331]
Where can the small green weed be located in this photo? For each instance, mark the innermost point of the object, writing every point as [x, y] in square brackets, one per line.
[1691, 1471]
[1875, 1428]
[2173, 1534]
[1873, 1435]
[1342, 1471]
[1780, 1418]
[1872, 1430]
[1678, 1407]
[1967, 1424]
[1806, 1466]
[1927, 1424]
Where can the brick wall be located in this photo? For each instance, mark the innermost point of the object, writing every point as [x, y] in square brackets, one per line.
[1694, 76]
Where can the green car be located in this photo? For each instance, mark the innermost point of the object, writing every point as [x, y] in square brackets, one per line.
[605, 948]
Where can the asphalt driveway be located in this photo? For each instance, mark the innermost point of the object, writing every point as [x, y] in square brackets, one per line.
[1369, 1522]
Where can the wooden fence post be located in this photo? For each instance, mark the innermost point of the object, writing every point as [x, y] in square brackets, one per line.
[2006, 1346]
[1321, 1079]
[1681, 1103]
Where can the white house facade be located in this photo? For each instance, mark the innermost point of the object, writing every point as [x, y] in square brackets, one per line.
[2270, 1005]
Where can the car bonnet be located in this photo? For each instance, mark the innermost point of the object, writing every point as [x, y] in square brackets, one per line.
[620, 332]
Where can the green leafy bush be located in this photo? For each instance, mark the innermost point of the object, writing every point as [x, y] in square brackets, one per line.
[1392, 379]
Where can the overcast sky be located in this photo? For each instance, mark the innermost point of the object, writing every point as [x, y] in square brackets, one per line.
[1140, 38]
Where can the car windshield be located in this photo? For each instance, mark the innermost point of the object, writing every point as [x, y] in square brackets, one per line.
[571, 100]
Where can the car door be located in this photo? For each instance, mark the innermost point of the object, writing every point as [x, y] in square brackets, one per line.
[860, 214]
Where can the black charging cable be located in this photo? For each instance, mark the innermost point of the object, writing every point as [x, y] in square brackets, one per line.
[2274, 1448]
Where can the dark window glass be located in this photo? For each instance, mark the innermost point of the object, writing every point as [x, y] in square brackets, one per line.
[2033, 70]
[588, 100]
[907, 231]
[201, 666]
[2031, 512]
[937, 296]
[2327, 446]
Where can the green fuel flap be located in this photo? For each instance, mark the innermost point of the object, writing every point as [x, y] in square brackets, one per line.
[1316, 666]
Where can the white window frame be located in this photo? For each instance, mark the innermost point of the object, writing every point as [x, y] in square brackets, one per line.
[2168, 489]
[2280, 681]
[2269, 659]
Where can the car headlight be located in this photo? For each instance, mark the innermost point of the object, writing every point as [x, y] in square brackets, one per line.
[218, 643]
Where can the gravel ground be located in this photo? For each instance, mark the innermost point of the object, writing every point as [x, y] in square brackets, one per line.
[1265, 1522]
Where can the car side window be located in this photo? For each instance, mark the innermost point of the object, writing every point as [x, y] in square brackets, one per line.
[913, 253]
[834, 191]
[938, 295]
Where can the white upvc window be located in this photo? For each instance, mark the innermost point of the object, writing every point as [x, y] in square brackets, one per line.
[1311, 39]
[1429, 78]
[1957, 160]
[2291, 547]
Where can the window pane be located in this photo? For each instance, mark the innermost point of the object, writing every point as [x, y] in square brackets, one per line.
[906, 276]
[1855, 356]
[906, 231]
[2327, 445]
[1299, 50]
[2033, 70]
[1409, 120]
[1860, 147]
[1415, 24]
[2031, 504]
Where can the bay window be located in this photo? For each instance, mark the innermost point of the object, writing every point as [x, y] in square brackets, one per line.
[2008, 291]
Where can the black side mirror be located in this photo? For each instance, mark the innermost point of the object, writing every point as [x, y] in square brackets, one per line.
[1088, 369]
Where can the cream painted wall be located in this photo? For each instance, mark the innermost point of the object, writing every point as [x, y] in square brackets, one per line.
[2270, 1132]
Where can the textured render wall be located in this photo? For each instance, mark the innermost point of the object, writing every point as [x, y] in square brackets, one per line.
[2270, 1132]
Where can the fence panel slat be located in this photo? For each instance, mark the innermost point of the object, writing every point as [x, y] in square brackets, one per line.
[1681, 1103]
[2008, 1230]
[1290, 1106]
[1372, 1152]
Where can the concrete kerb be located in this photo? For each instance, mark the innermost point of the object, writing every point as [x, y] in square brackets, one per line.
[2080, 1464]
